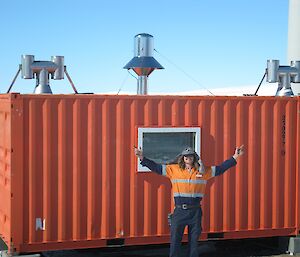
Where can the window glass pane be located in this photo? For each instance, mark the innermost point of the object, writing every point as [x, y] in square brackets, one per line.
[164, 147]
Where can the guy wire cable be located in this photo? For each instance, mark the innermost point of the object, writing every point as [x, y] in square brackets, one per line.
[261, 82]
[184, 72]
[255, 94]
[125, 79]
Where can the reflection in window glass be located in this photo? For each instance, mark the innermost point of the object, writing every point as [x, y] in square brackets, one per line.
[164, 147]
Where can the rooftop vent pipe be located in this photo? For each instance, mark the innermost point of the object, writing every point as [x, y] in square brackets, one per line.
[143, 62]
[284, 75]
[41, 70]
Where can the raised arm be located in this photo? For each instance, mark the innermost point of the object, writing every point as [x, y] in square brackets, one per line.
[151, 165]
[231, 161]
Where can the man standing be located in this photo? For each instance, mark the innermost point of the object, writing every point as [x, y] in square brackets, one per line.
[188, 177]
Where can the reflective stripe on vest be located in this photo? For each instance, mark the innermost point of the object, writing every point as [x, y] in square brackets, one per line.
[197, 181]
[213, 171]
[185, 183]
[188, 195]
[164, 171]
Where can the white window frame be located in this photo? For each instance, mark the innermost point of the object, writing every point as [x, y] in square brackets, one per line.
[141, 131]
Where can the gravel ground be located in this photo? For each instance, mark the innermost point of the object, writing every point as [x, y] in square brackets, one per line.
[229, 248]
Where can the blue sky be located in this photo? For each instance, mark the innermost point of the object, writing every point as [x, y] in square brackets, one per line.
[217, 43]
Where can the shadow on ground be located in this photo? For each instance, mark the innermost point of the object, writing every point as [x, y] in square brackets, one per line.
[225, 248]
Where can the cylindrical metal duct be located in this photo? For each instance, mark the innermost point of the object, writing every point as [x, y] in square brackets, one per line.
[284, 86]
[143, 45]
[59, 72]
[272, 71]
[43, 83]
[296, 78]
[27, 61]
[142, 86]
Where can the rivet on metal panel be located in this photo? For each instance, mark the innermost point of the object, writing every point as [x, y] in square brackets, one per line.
[18, 111]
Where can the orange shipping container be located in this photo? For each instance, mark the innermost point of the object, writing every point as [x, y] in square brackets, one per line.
[68, 175]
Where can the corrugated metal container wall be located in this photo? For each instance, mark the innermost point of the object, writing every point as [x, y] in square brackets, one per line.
[68, 173]
[5, 155]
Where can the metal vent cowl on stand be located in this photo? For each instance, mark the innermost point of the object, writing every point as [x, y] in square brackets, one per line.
[143, 63]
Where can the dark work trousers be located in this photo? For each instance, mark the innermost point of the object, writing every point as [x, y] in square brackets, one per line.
[180, 219]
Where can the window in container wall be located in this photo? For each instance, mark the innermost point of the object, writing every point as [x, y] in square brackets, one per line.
[163, 144]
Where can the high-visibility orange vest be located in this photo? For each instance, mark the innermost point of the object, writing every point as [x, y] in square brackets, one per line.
[188, 184]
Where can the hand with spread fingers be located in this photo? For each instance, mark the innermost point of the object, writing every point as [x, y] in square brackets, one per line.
[239, 151]
[139, 153]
